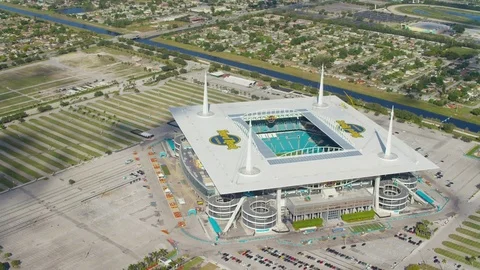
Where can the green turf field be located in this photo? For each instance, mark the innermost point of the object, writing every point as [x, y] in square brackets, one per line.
[442, 13]
[367, 228]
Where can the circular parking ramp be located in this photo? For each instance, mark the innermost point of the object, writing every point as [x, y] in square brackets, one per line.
[258, 214]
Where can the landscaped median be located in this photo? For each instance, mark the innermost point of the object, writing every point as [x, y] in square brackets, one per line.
[461, 113]
[307, 223]
[359, 216]
[474, 152]
[457, 257]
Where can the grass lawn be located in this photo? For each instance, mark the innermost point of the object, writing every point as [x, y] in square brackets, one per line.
[463, 114]
[464, 240]
[472, 152]
[139, 115]
[17, 107]
[119, 115]
[165, 169]
[190, 89]
[192, 263]
[135, 103]
[95, 139]
[163, 95]
[47, 133]
[105, 126]
[36, 145]
[209, 266]
[92, 129]
[171, 254]
[152, 106]
[462, 51]
[10, 102]
[52, 125]
[117, 108]
[359, 216]
[23, 160]
[455, 257]
[196, 88]
[469, 233]
[171, 93]
[367, 228]
[316, 222]
[6, 182]
[474, 218]
[460, 248]
[36, 153]
[29, 76]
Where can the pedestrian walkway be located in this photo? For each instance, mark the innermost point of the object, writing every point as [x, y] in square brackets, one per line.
[171, 200]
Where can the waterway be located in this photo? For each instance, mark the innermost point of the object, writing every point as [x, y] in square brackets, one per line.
[336, 90]
[73, 10]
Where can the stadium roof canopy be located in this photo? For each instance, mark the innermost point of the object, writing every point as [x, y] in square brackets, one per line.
[220, 142]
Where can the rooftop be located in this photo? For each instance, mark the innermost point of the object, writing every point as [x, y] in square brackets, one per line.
[220, 142]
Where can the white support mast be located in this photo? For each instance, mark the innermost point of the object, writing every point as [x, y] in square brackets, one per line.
[388, 147]
[320, 89]
[249, 169]
[248, 163]
[320, 103]
[205, 108]
[388, 155]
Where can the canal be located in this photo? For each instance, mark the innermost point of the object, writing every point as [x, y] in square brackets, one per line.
[336, 90]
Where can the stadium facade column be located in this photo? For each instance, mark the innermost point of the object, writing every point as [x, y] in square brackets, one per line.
[377, 193]
[279, 206]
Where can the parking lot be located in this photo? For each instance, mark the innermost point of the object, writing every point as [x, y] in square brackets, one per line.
[107, 219]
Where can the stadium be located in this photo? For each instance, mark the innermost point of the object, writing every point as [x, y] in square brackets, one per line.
[272, 161]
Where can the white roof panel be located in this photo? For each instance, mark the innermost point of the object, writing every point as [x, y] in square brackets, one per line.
[359, 159]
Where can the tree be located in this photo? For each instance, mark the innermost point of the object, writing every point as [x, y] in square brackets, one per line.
[320, 60]
[71, 181]
[7, 255]
[459, 29]
[98, 94]
[448, 127]
[16, 263]
[475, 111]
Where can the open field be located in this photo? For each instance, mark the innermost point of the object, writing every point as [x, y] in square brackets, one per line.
[192, 263]
[442, 13]
[48, 143]
[41, 82]
[462, 113]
